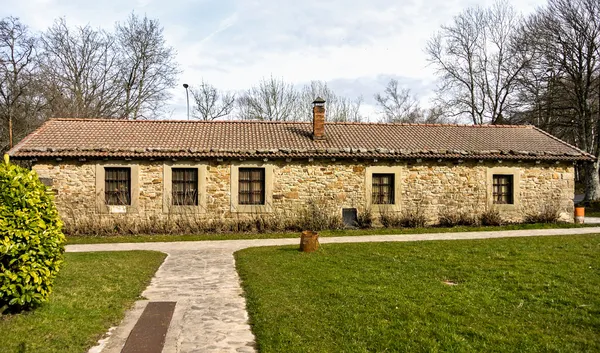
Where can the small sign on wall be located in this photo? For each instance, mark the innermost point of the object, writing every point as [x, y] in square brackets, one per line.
[46, 181]
[117, 209]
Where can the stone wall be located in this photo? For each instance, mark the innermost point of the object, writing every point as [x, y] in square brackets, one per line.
[439, 187]
[431, 187]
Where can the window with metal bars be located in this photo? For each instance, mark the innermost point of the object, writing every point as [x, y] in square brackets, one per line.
[503, 189]
[251, 186]
[185, 186]
[117, 186]
[383, 189]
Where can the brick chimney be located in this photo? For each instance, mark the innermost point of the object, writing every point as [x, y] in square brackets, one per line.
[319, 119]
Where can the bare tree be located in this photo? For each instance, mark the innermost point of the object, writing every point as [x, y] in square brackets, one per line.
[273, 99]
[342, 109]
[435, 115]
[210, 103]
[19, 106]
[477, 61]
[543, 100]
[339, 109]
[91, 73]
[565, 35]
[81, 72]
[398, 105]
[147, 67]
[81, 65]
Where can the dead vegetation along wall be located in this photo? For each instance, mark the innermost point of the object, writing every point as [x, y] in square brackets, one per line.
[429, 188]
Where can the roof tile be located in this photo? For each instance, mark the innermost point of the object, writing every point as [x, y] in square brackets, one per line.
[167, 138]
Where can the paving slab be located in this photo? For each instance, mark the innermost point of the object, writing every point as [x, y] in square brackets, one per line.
[148, 334]
[200, 276]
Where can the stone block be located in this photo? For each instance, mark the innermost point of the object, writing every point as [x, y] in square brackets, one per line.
[291, 195]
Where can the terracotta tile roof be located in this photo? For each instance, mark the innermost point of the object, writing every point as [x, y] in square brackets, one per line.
[167, 138]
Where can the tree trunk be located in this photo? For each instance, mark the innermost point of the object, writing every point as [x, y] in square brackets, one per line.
[309, 241]
[592, 181]
[10, 130]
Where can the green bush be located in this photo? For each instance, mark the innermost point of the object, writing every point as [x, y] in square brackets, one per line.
[31, 240]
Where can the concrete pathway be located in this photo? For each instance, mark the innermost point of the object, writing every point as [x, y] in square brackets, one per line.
[200, 276]
[592, 220]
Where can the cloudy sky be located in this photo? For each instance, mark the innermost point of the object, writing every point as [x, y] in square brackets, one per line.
[354, 45]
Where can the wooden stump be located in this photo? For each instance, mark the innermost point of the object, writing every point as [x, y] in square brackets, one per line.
[309, 241]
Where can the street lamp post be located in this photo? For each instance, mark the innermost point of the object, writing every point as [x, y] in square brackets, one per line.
[187, 96]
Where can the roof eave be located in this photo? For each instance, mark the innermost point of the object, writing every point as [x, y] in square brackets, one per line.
[406, 156]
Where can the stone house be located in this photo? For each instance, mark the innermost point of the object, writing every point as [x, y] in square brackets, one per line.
[223, 169]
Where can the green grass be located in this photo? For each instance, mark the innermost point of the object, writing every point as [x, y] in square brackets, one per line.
[592, 213]
[537, 294]
[327, 233]
[91, 294]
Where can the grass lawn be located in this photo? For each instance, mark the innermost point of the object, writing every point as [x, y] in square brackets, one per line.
[511, 295]
[327, 233]
[592, 213]
[91, 294]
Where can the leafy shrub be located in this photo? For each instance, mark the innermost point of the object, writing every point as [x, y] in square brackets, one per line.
[31, 241]
[492, 217]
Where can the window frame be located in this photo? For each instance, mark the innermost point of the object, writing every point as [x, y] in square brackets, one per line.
[515, 172]
[117, 181]
[190, 185]
[168, 206]
[251, 183]
[396, 170]
[498, 182]
[235, 206]
[377, 181]
[134, 187]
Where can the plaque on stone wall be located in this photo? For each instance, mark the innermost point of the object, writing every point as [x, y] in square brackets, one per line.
[46, 181]
[117, 209]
